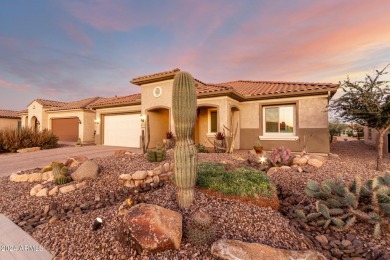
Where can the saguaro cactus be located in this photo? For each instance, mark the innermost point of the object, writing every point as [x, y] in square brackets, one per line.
[185, 153]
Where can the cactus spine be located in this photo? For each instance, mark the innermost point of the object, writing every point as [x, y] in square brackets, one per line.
[185, 153]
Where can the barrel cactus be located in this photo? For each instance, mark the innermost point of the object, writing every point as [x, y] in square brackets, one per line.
[185, 152]
[200, 228]
[60, 173]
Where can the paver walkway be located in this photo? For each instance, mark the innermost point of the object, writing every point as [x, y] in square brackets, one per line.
[16, 244]
[17, 162]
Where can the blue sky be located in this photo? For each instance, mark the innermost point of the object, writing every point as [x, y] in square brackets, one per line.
[69, 50]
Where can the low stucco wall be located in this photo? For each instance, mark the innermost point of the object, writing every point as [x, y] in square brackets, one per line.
[375, 138]
[9, 123]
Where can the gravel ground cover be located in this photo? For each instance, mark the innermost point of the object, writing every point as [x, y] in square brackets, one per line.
[71, 236]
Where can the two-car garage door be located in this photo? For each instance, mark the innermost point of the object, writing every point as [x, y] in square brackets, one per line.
[122, 130]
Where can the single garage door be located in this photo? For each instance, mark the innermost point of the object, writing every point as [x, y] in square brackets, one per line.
[67, 129]
[122, 130]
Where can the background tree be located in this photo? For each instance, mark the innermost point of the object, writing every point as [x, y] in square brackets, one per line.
[368, 104]
[335, 128]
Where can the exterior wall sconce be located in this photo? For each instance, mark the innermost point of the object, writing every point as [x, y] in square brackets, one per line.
[79, 121]
[97, 121]
[38, 123]
[142, 118]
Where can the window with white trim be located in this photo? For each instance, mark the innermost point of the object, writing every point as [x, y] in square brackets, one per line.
[213, 120]
[279, 122]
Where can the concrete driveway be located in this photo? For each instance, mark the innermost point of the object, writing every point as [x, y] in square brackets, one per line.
[10, 163]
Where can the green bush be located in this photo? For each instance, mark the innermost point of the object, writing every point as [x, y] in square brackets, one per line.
[14, 139]
[201, 148]
[243, 181]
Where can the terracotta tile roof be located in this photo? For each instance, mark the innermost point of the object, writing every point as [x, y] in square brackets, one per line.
[49, 103]
[145, 78]
[202, 88]
[258, 88]
[9, 114]
[24, 111]
[131, 99]
[79, 104]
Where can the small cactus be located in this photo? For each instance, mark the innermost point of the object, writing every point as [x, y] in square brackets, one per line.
[280, 156]
[60, 173]
[200, 228]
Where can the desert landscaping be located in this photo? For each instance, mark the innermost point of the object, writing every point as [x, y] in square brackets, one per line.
[62, 222]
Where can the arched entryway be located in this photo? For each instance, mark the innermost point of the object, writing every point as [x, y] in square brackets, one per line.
[159, 123]
[34, 123]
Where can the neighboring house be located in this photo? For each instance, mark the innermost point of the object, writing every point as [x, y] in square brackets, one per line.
[68, 120]
[9, 119]
[279, 113]
[371, 137]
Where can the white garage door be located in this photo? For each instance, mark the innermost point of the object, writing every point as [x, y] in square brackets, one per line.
[122, 130]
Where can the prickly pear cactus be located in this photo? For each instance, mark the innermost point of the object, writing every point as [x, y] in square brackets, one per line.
[200, 228]
[185, 153]
[340, 206]
[280, 156]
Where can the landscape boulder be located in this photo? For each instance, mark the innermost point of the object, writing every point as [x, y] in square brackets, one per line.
[139, 175]
[300, 161]
[34, 190]
[18, 177]
[87, 171]
[153, 228]
[36, 176]
[75, 161]
[235, 249]
[67, 188]
[315, 162]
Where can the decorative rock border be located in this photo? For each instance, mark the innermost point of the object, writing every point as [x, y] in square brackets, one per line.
[152, 177]
[40, 190]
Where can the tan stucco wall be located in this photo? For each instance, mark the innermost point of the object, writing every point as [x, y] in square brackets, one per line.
[9, 123]
[24, 120]
[311, 120]
[312, 113]
[86, 128]
[111, 110]
[36, 109]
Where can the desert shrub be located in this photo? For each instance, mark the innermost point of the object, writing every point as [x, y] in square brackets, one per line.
[201, 148]
[14, 139]
[280, 156]
[243, 181]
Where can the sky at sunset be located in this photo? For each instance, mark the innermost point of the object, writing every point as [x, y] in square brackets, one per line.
[68, 50]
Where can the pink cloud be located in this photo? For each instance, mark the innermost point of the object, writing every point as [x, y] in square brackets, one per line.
[18, 87]
[299, 45]
[77, 34]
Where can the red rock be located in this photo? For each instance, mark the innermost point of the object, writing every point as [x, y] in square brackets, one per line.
[153, 228]
[75, 161]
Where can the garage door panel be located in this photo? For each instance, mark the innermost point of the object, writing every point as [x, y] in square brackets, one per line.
[122, 130]
[66, 129]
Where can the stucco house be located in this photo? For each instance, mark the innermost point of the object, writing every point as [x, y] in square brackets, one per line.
[68, 120]
[277, 113]
[371, 137]
[9, 119]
